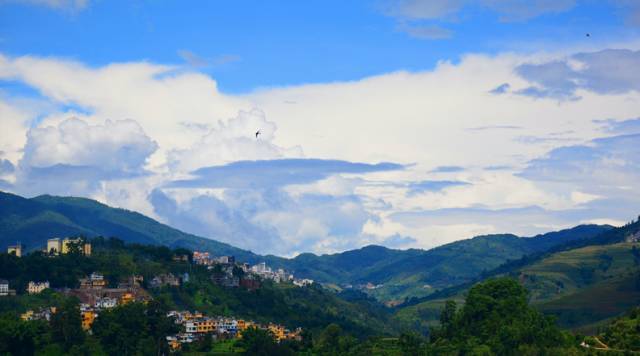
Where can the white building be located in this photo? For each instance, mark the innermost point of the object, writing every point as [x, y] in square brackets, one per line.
[4, 287]
[106, 303]
[37, 287]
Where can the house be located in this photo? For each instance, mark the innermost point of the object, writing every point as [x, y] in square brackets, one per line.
[94, 281]
[227, 326]
[303, 282]
[88, 317]
[200, 326]
[54, 246]
[106, 303]
[134, 281]
[181, 258]
[633, 237]
[278, 331]
[67, 245]
[201, 258]
[37, 287]
[174, 344]
[167, 279]
[58, 246]
[4, 288]
[42, 314]
[15, 249]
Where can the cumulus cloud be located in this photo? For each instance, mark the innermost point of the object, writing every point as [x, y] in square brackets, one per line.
[210, 175]
[234, 140]
[77, 158]
[268, 220]
[117, 146]
[610, 71]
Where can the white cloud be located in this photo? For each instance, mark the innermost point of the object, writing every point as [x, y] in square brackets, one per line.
[234, 140]
[117, 146]
[69, 5]
[426, 121]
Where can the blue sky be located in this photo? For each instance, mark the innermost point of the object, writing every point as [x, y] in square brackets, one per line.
[405, 123]
[250, 44]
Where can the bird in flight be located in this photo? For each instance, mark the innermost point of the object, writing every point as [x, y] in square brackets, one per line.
[257, 133]
[588, 35]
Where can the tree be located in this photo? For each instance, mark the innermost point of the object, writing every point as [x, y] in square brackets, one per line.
[497, 317]
[260, 342]
[411, 343]
[66, 324]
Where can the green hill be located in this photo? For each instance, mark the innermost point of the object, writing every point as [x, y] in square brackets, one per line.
[581, 285]
[415, 273]
[400, 273]
[33, 221]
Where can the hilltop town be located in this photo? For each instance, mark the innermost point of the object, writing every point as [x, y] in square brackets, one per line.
[96, 294]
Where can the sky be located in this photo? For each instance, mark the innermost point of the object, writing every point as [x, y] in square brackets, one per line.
[403, 123]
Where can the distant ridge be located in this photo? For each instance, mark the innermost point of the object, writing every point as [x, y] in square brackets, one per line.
[398, 273]
[33, 221]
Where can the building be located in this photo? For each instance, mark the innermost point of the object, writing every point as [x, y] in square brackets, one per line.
[106, 303]
[167, 279]
[278, 331]
[37, 287]
[94, 281]
[58, 246]
[67, 244]
[42, 314]
[54, 246]
[303, 282]
[15, 249]
[88, 317]
[4, 287]
[201, 258]
[201, 326]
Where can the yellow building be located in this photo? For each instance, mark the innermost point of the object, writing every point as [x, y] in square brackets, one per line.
[16, 250]
[174, 344]
[127, 298]
[201, 326]
[28, 315]
[88, 317]
[85, 247]
[63, 246]
[54, 246]
[277, 331]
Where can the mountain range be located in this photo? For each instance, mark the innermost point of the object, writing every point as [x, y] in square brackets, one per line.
[387, 274]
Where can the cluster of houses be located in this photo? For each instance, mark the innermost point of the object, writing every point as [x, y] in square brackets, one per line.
[226, 272]
[94, 296]
[196, 326]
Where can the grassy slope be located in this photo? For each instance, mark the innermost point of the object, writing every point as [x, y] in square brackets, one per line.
[463, 261]
[582, 286]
